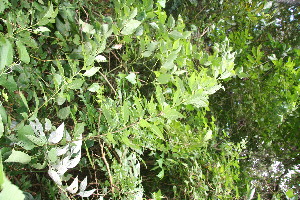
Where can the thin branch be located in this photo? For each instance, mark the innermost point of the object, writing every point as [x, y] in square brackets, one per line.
[107, 167]
[108, 83]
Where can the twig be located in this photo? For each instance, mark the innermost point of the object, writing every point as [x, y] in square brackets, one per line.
[107, 166]
[108, 83]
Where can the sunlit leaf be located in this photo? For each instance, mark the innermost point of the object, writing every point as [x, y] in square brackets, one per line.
[156, 131]
[86, 193]
[130, 27]
[208, 136]
[83, 184]
[162, 3]
[91, 72]
[131, 78]
[74, 186]
[57, 135]
[6, 54]
[76, 84]
[18, 156]
[94, 87]
[171, 114]
[55, 177]
[10, 191]
[100, 58]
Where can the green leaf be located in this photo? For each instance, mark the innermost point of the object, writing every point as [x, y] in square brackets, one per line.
[52, 155]
[156, 131]
[78, 130]
[8, 189]
[164, 78]
[2, 175]
[86, 28]
[133, 13]
[290, 193]
[131, 78]
[6, 54]
[143, 123]
[130, 27]
[159, 95]
[8, 82]
[91, 71]
[147, 54]
[208, 136]
[39, 141]
[64, 112]
[125, 112]
[41, 29]
[3, 114]
[76, 84]
[162, 3]
[1, 127]
[171, 114]
[23, 54]
[197, 100]
[171, 22]
[18, 156]
[94, 87]
[24, 99]
[176, 35]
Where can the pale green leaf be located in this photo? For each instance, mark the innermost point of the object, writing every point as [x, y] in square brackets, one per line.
[23, 54]
[131, 78]
[164, 78]
[100, 58]
[76, 84]
[143, 123]
[208, 136]
[86, 28]
[1, 128]
[171, 22]
[3, 114]
[147, 54]
[6, 54]
[156, 131]
[64, 112]
[8, 189]
[159, 95]
[39, 141]
[91, 72]
[52, 155]
[126, 112]
[197, 100]
[18, 156]
[176, 35]
[41, 29]
[130, 27]
[78, 130]
[2, 175]
[94, 87]
[162, 3]
[171, 114]
[133, 13]
[161, 174]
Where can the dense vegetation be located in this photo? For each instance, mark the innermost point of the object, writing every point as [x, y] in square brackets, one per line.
[146, 99]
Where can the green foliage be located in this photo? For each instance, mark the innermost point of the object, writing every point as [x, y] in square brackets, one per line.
[125, 94]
